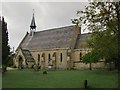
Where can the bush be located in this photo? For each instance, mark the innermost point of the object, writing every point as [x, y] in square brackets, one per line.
[14, 66]
[4, 69]
[20, 67]
[36, 67]
[44, 72]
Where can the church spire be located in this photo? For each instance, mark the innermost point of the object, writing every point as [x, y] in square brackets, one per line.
[33, 25]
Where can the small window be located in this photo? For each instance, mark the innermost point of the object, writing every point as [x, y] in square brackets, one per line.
[38, 57]
[49, 57]
[61, 57]
[80, 56]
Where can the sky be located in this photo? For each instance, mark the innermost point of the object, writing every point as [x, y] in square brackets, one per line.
[18, 16]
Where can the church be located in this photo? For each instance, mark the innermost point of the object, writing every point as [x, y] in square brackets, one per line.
[57, 48]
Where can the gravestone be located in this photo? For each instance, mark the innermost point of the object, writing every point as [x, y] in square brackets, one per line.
[85, 84]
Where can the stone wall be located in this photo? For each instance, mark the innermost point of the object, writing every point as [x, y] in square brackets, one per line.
[98, 65]
[54, 60]
[80, 65]
[16, 59]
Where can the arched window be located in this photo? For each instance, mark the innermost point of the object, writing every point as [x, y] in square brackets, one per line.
[61, 57]
[80, 56]
[54, 55]
[48, 57]
[38, 57]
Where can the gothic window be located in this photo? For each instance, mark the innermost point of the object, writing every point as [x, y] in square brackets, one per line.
[48, 57]
[43, 55]
[54, 55]
[61, 57]
[38, 57]
[80, 56]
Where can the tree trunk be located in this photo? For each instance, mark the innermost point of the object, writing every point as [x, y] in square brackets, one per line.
[90, 66]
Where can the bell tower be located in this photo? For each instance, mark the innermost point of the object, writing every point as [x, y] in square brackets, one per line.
[32, 25]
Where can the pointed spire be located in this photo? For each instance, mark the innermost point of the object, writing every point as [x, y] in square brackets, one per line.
[33, 25]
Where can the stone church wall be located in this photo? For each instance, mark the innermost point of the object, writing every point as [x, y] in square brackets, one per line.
[59, 64]
[80, 65]
[64, 64]
[16, 59]
[98, 65]
[55, 59]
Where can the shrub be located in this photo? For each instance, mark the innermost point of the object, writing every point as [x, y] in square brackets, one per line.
[4, 69]
[14, 66]
[36, 67]
[44, 72]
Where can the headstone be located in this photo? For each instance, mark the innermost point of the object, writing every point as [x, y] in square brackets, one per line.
[44, 72]
[85, 84]
[49, 67]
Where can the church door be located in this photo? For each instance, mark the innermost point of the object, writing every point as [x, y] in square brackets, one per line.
[20, 62]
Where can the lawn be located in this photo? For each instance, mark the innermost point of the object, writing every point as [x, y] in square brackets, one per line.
[0, 80]
[60, 79]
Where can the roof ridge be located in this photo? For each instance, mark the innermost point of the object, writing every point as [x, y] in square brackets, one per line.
[55, 28]
[85, 33]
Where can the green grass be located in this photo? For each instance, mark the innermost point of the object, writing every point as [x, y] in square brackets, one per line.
[60, 79]
[0, 80]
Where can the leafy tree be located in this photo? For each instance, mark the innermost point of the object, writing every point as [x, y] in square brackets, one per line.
[5, 46]
[102, 19]
[91, 57]
[0, 42]
[10, 62]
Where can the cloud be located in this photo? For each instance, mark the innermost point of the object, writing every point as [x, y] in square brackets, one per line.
[18, 16]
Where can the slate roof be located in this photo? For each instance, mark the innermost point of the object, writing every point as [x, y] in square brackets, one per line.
[52, 38]
[27, 55]
[81, 40]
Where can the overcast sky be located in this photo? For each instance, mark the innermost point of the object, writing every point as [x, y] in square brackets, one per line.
[48, 15]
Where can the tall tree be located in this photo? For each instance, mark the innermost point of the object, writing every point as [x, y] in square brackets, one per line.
[5, 46]
[102, 19]
[0, 42]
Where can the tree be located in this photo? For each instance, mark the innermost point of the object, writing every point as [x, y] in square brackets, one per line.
[5, 46]
[102, 19]
[10, 58]
[0, 42]
[91, 57]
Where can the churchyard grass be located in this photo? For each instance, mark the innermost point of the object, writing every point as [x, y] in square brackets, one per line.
[0, 80]
[60, 79]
